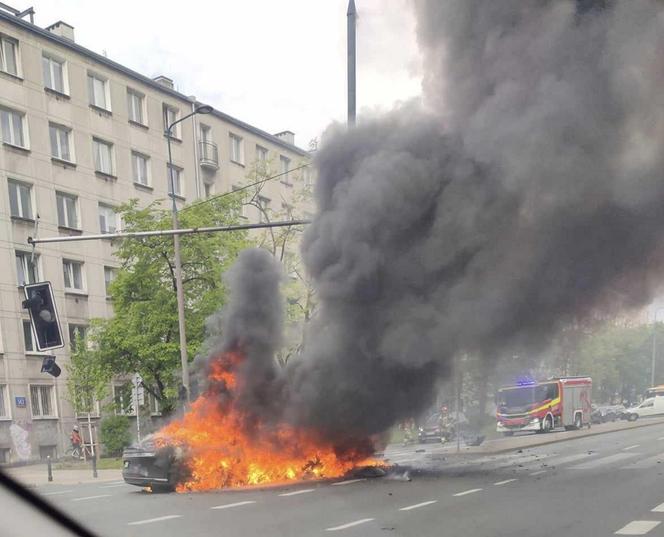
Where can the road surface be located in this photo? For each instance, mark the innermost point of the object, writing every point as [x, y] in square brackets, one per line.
[598, 485]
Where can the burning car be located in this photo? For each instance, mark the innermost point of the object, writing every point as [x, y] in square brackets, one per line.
[146, 464]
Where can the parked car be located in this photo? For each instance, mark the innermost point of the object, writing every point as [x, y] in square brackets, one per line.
[602, 414]
[653, 406]
[431, 429]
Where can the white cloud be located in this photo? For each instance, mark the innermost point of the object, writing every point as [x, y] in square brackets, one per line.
[278, 65]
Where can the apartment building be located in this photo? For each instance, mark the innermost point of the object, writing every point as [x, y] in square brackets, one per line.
[80, 135]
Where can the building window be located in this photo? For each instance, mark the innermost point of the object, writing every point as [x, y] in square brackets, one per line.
[98, 92]
[261, 153]
[139, 166]
[76, 330]
[123, 397]
[4, 406]
[264, 204]
[103, 153]
[73, 272]
[107, 219]
[60, 146]
[41, 401]
[20, 199]
[14, 128]
[175, 180]
[208, 190]
[306, 177]
[27, 271]
[109, 275]
[55, 74]
[28, 337]
[284, 168]
[237, 148]
[67, 210]
[135, 106]
[171, 115]
[242, 200]
[9, 55]
[155, 407]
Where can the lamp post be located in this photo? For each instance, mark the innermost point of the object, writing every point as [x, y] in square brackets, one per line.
[654, 347]
[205, 109]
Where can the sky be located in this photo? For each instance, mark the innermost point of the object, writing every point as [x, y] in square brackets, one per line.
[279, 65]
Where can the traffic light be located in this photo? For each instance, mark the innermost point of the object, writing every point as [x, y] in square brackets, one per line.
[43, 316]
[49, 366]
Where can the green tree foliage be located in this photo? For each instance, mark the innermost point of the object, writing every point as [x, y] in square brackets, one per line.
[115, 434]
[87, 379]
[618, 358]
[142, 336]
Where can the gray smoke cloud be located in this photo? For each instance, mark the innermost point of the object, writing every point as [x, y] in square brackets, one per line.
[526, 189]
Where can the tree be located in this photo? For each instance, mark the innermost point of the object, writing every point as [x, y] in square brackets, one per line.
[115, 434]
[142, 336]
[87, 380]
[283, 243]
[618, 358]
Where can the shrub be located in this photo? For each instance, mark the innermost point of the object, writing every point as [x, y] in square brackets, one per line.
[115, 435]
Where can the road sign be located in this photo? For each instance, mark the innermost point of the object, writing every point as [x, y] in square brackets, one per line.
[20, 402]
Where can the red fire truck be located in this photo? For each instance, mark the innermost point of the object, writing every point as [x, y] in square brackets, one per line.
[543, 406]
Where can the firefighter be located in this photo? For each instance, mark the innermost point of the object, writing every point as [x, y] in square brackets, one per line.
[76, 442]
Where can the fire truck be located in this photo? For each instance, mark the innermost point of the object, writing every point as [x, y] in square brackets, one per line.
[545, 405]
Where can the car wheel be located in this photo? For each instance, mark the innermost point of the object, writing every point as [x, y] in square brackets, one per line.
[632, 417]
[577, 421]
[547, 425]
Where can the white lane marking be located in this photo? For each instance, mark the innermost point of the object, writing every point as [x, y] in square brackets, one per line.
[236, 504]
[350, 524]
[114, 486]
[644, 463]
[403, 461]
[604, 460]
[57, 492]
[659, 508]
[638, 527]
[350, 481]
[117, 482]
[470, 491]
[90, 497]
[151, 520]
[417, 505]
[539, 472]
[631, 447]
[505, 482]
[296, 492]
[661, 438]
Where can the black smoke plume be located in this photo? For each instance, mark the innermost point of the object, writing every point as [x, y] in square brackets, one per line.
[524, 190]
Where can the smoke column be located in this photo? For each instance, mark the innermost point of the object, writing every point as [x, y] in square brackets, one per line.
[526, 188]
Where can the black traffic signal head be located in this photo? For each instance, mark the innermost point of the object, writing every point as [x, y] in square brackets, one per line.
[43, 316]
[49, 366]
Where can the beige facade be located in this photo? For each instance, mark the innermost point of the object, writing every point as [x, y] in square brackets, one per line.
[80, 135]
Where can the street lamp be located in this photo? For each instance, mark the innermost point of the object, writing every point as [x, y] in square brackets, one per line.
[184, 360]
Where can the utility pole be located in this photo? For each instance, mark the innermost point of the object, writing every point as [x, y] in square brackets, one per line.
[351, 15]
[184, 358]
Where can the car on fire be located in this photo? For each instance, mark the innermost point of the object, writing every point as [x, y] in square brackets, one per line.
[146, 464]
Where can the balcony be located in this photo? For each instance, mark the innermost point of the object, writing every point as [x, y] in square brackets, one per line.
[208, 154]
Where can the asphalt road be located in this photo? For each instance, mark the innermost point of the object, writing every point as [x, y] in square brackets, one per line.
[592, 486]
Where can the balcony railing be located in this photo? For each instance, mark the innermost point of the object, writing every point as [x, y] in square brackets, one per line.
[209, 154]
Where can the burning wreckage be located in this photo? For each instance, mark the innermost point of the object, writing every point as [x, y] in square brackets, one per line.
[520, 195]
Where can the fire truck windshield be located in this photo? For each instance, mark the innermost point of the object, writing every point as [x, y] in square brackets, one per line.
[527, 395]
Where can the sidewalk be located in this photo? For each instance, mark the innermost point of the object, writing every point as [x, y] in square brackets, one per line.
[36, 475]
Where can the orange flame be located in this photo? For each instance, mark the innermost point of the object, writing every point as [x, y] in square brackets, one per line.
[221, 451]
